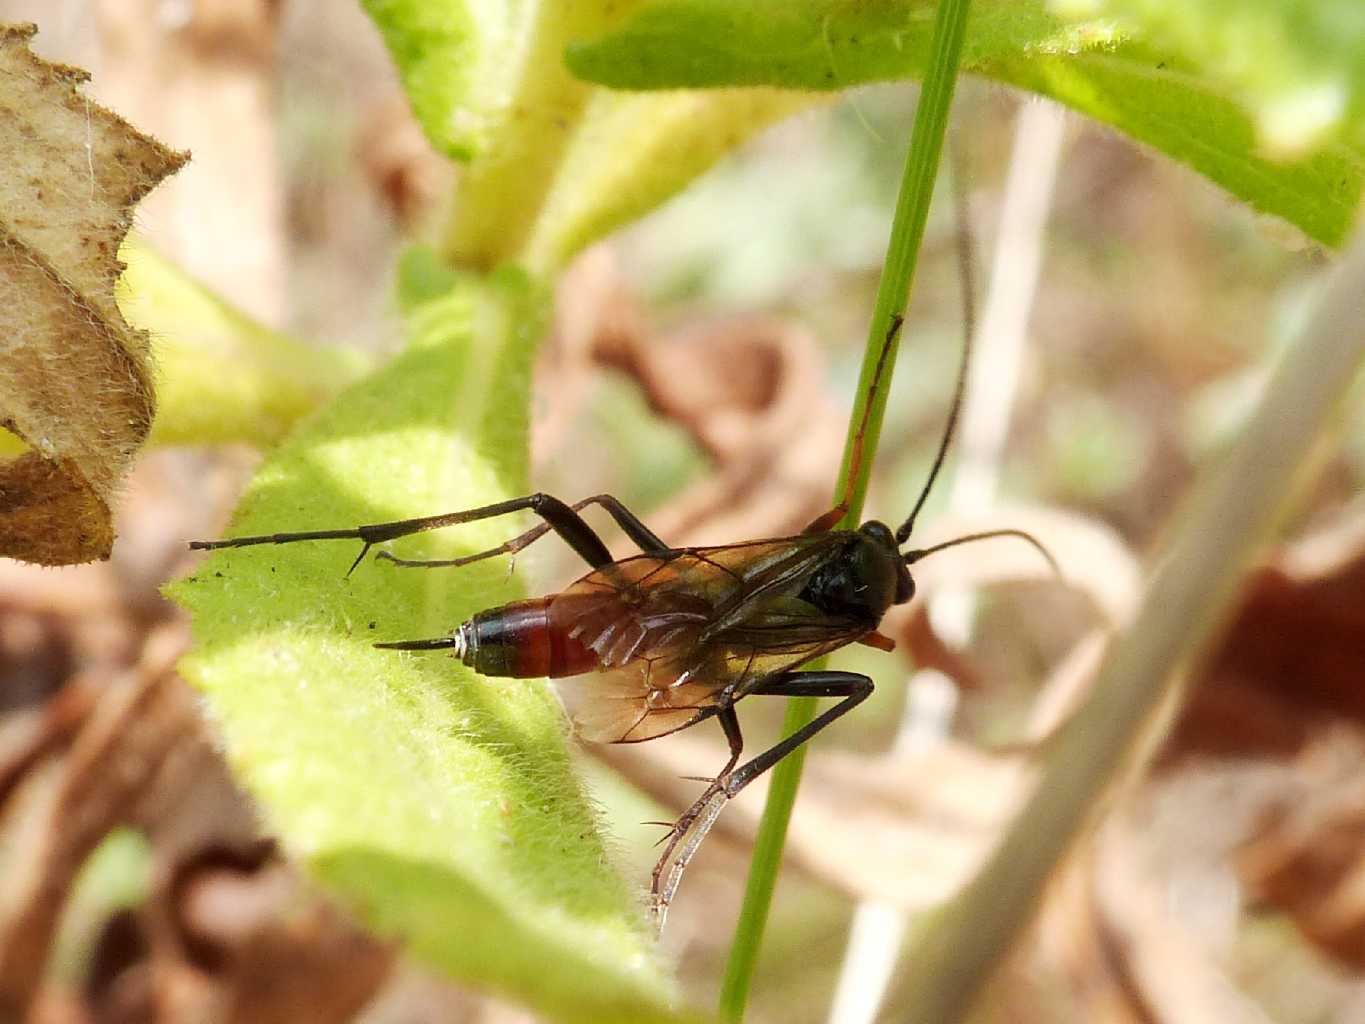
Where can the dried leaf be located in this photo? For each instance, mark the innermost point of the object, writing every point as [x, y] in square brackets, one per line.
[1093, 559]
[277, 951]
[75, 381]
[136, 726]
[744, 388]
[1308, 860]
[1109, 929]
[1290, 664]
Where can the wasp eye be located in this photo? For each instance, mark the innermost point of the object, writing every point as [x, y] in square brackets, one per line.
[905, 584]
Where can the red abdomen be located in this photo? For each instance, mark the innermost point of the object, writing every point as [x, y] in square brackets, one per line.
[522, 640]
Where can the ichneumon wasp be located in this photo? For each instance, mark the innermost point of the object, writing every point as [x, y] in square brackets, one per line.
[674, 636]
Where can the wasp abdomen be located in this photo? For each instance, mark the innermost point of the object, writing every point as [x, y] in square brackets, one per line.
[519, 640]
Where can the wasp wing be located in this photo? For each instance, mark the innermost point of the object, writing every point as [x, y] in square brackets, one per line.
[673, 632]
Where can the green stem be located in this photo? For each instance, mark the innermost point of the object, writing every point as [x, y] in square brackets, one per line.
[907, 230]
[534, 111]
[1188, 599]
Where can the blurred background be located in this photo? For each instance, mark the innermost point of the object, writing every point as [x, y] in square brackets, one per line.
[701, 369]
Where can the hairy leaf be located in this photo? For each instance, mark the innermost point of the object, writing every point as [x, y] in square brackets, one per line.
[807, 44]
[1297, 65]
[438, 803]
[1184, 101]
[1138, 93]
[553, 163]
[75, 381]
[631, 151]
[444, 52]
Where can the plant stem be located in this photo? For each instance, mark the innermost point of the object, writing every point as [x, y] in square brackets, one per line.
[538, 106]
[1187, 601]
[993, 383]
[907, 230]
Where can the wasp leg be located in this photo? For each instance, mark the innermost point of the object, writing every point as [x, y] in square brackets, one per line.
[629, 522]
[560, 517]
[729, 721]
[645, 538]
[663, 895]
[828, 520]
[851, 686]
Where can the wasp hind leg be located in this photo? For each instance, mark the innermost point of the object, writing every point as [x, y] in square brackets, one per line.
[565, 521]
[558, 516]
[698, 819]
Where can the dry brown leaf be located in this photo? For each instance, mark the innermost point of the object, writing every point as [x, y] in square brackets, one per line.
[1095, 564]
[399, 161]
[274, 950]
[29, 737]
[75, 380]
[1106, 927]
[230, 932]
[1291, 662]
[749, 389]
[135, 727]
[1308, 858]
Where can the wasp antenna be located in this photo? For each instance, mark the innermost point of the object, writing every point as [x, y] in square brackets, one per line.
[967, 277]
[911, 557]
[855, 462]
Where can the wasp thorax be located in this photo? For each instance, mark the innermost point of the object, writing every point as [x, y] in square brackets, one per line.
[862, 579]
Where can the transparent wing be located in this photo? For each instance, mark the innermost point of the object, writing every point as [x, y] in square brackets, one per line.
[651, 622]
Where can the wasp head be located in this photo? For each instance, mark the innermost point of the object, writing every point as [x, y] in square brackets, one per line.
[863, 578]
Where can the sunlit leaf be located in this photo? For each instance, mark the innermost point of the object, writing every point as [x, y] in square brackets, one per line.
[553, 163]
[1298, 66]
[631, 151]
[223, 376]
[1208, 97]
[438, 803]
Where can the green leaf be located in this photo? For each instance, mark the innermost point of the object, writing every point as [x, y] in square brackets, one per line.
[116, 876]
[1196, 124]
[554, 164]
[806, 44]
[1297, 65]
[488, 84]
[442, 51]
[222, 376]
[631, 151]
[439, 804]
[1192, 111]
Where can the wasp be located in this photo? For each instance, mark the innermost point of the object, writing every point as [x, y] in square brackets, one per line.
[674, 636]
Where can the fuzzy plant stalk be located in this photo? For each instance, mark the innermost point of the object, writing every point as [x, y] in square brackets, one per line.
[1189, 598]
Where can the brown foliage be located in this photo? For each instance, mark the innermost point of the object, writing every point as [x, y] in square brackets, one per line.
[1291, 663]
[75, 381]
[230, 932]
